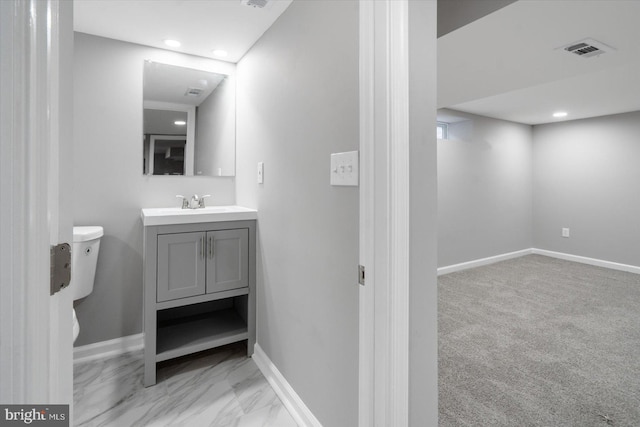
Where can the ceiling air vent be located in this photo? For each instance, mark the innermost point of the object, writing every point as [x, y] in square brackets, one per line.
[587, 48]
[193, 91]
[258, 4]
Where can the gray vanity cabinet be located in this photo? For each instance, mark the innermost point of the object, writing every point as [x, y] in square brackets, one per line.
[199, 289]
[227, 260]
[181, 265]
[191, 264]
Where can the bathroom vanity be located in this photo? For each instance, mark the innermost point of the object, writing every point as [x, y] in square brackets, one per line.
[199, 281]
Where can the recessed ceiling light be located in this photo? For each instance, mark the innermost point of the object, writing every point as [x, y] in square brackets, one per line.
[179, 123]
[559, 114]
[221, 53]
[172, 43]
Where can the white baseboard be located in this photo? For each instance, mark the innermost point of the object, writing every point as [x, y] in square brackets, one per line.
[568, 257]
[294, 404]
[590, 261]
[102, 349]
[483, 261]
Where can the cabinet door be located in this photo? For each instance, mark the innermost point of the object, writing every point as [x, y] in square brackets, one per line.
[227, 260]
[181, 265]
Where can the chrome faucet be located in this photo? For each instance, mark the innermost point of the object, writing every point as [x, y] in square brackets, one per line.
[201, 202]
[196, 202]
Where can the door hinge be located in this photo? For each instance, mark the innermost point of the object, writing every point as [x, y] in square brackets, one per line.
[361, 274]
[60, 267]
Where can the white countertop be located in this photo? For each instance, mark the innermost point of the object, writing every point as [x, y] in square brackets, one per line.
[169, 216]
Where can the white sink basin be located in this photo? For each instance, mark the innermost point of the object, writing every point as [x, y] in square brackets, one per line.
[167, 216]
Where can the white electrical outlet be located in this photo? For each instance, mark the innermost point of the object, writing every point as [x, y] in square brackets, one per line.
[344, 169]
[260, 173]
[565, 232]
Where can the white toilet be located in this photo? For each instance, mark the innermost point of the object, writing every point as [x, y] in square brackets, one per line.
[84, 258]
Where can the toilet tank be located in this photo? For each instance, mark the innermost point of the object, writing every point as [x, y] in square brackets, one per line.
[84, 258]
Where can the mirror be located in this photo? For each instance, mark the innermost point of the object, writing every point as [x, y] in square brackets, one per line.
[189, 122]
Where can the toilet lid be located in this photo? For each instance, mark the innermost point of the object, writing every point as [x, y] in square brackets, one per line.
[85, 233]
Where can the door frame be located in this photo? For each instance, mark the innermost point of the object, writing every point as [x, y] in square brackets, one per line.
[35, 121]
[384, 213]
[398, 312]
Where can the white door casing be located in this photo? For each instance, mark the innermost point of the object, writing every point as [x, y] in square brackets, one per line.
[384, 210]
[398, 311]
[36, 40]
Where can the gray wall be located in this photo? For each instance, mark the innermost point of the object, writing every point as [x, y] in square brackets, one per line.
[215, 153]
[298, 103]
[484, 189]
[109, 188]
[587, 178]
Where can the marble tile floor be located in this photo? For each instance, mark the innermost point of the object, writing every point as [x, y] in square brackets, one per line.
[219, 387]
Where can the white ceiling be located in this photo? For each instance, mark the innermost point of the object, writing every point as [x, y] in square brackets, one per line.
[507, 64]
[169, 83]
[200, 25]
[162, 122]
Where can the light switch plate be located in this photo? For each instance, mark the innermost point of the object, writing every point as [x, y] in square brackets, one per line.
[260, 172]
[344, 169]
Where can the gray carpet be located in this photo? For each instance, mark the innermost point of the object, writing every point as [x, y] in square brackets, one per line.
[537, 341]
